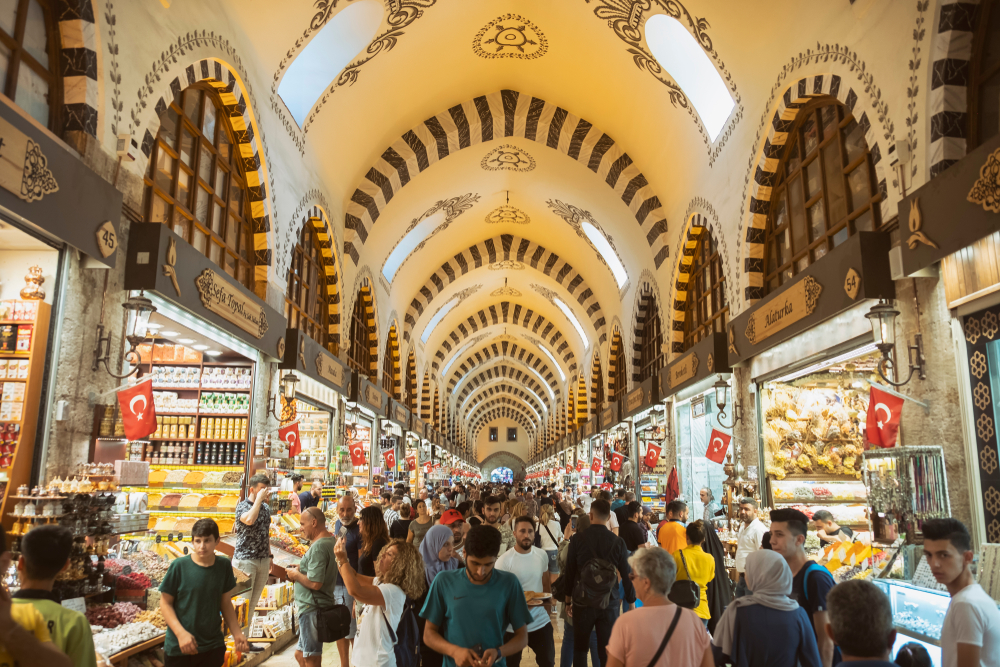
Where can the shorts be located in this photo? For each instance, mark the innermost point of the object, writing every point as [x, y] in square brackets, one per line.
[309, 643]
[553, 562]
[341, 596]
[210, 658]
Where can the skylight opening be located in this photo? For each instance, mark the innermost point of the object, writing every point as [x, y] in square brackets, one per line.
[555, 363]
[607, 252]
[411, 241]
[680, 54]
[458, 354]
[438, 316]
[568, 312]
[329, 52]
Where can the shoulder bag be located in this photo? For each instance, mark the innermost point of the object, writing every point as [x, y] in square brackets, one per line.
[685, 593]
[670, 632]
[550, 534]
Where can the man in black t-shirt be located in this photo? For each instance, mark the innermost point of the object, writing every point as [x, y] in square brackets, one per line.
[630, 530]
[811, 581]
[828, 530]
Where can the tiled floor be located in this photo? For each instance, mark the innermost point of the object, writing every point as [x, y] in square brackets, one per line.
[331, 658]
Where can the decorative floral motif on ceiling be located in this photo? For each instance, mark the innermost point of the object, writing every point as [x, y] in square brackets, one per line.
[505, 291]
[452, 208]
[546, 293]
[510, 36]
[508, 157]
[626, 18]
[509, 214]
[574, 216]
[507, 264]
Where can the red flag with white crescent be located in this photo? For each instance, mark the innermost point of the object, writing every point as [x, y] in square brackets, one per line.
[596, 465]
[652, 455]
[289, 434]
[718, 445]
[882, 425]
[138, 412]
[616, 461]
[579, 466]
[606, 486]
[411, 462]
[390, 458]
[357, 450]
[569, 469]
[427, 468]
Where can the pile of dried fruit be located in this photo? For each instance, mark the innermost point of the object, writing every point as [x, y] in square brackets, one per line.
[133, 581]
[154, 617]
[105, 616]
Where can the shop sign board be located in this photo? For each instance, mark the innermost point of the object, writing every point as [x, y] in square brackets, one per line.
[369, 395]
[160, 261]
[856, 270]
[609, 416]
[706, 357]
[398, 414]
[590, 428]
[968, 191]
[642, 397]
[305, 355]
[418, 426]
[47, 185]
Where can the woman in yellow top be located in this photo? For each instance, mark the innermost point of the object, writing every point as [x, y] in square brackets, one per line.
[697, 566]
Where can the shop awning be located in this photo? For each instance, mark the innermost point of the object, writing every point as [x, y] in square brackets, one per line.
[706, 357]
[951, 211]
[308, 357]
[856, 270]
[162, 262]
[61, 197]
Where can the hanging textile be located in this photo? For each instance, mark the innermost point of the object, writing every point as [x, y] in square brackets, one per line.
[673, 486]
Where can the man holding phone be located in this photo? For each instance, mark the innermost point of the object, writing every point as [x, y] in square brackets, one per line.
[252, 554]
[467, 610]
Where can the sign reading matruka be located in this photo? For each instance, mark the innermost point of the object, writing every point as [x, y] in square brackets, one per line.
[797, 302]
[223, 299]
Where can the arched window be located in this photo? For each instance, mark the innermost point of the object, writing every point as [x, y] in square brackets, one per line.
[706, 309]
[195, 183]
[306, 300]
[825, 191]
[359, 356]
[651, 358]
[618, 382]
[29, 54]
[984, 76]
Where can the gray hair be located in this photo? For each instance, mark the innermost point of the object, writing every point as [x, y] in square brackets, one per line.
[711, 496]
[861, 619]
[657, 565]
[629, 497]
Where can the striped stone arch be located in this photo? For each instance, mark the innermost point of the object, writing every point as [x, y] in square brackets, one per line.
[616, 360]
[78, 64]
[504, 401]
[506, 312]
[768, 157]
[525, 408]
[582, 413]
[391, 363]
[689, 248]
[425, 398]
[506, 412]
[571, 404]
[240, 117]
[491, 374]
[496, 383]
[411, 382]
[316, 217]
[505, 113]
[646, 295]
[436, 412]
[368, 306]
[951, 53]
[501, 349]
[596, 383]
[500, 248]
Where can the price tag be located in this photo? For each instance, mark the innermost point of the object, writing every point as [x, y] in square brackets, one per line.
[107, 239]
[127, 569]
[76, 604]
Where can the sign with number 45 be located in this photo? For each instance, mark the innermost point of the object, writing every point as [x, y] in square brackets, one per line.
[107, 240]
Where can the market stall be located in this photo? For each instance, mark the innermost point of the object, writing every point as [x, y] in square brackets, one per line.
[644, 412]
[393, 442]
[361, 432]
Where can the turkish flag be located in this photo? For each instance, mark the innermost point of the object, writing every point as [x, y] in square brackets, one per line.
[652, 455]
[411, 462]
[579, 466]
[357, 450]
[390, 458]
[289, 434]
[427, 468]
[718, 445]
[138, 412]
[882, 425]
[596, 467]
[569, 469]
[616, 461]
[606, 486]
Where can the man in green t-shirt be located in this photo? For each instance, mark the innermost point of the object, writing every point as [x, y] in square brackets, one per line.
[194, 591]
[45, 552]
[468, 609]
[314, 579]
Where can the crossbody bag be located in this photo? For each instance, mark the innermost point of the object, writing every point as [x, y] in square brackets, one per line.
[670, 632]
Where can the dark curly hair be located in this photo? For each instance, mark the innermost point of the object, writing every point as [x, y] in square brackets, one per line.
[482, 542]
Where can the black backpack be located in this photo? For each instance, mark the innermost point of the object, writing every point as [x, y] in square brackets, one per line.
[594, 583]
[406, 637]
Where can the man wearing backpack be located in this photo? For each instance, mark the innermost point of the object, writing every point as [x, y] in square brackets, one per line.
[595, 561]
[811, 581]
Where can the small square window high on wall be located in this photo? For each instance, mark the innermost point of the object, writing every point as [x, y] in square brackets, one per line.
[512, 434]
[494, 434]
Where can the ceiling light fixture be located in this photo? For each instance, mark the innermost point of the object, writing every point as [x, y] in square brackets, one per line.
[213, 353]
[170, 333]
[185, 341]
[200, 348]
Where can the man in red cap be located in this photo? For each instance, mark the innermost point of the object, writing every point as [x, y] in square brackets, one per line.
[454, 520]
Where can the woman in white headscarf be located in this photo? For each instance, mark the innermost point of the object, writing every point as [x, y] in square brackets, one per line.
[766, 628]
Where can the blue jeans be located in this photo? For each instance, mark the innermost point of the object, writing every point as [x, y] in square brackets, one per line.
[626, 606]
[566, 656]
[309, 642]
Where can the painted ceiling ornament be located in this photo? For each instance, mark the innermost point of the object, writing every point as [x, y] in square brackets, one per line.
[505, 291]
[507, 264]
[510, 36]
[509, 214]
[452, 208]
[508, 157]
[546, 293]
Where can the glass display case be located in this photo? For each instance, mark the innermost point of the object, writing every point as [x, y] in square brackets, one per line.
[918, 614]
